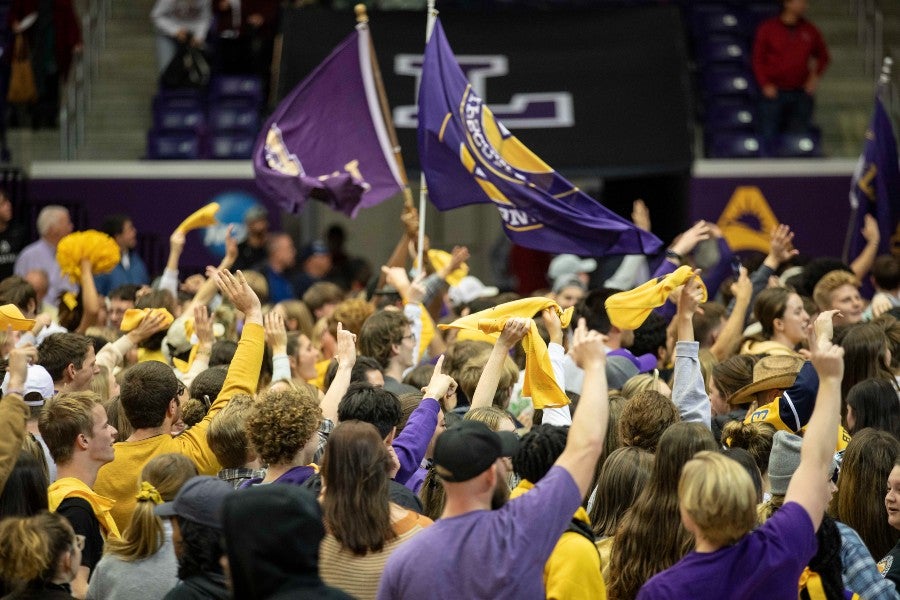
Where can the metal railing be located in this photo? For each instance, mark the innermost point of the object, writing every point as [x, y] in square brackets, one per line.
[76, 93]
[870, 37]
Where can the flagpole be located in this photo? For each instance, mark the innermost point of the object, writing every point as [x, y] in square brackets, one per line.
[883, 80]
[423, 186]
[362, 20]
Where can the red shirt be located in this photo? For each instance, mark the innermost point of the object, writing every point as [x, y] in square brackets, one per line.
[782, 53]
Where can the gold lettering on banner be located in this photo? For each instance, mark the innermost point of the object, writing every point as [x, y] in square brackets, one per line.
[865, 183]
[747, 220]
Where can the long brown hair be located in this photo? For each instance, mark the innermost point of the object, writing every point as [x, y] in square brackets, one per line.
[623, 477]
[355, 499]
[859, 501]
[164, 475]
[650, 537]
[865, 349]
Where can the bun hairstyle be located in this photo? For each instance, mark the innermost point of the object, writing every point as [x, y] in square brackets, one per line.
[755, 438]
[32, 547]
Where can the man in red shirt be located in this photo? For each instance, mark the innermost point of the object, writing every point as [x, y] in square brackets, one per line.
[789, 57]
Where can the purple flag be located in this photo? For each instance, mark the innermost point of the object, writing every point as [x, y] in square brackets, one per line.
[875, 188]
[327, 139]
[469, 157]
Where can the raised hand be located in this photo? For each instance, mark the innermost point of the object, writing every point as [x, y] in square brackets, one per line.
[238, 291]
[513, 331]
[203, 326]
[822, 329]
[690, 297]
[19, 359]
[346, 347]
[231, 249]
[153, 322]
[688, 240]
[276, 333]
[640, 215]
[553, 325]
[781, 245]
[588, 347]
[440, 384]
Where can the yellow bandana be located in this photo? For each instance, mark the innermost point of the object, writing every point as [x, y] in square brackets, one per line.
[69, 487]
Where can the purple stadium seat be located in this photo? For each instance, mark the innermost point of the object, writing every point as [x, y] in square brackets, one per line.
[757, 12]
[173, 145]
[235, 115]
[733, 145]
[236, 86]
[178, 98]
[232, 145]
[179, 117]
[728, 82]
[728, 21]
[730, 116]
[723, 50]
[797, 145]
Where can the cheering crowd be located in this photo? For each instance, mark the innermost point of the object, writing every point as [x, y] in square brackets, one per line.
[301, 425]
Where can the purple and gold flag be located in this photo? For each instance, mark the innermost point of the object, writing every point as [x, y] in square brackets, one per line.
[469, 157]
[327, 139]
[875, 188]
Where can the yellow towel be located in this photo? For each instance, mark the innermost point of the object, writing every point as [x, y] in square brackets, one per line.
[134, 316]
[69, 487]
[629, 310]
[440, 259]
[540, 384]
[203, 217]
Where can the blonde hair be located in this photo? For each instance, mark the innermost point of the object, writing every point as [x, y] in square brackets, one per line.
[471, 372]
[718, 495]
[64, 417]
[161, 478]
[642, 383]
[32, 547]
[830, 282]
[490, 416]
[295, 310]
[100, 384]
[227, 433]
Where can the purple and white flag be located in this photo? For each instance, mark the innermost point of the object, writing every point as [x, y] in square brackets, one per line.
[327, 139]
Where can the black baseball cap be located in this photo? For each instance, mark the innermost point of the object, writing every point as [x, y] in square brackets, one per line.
[469, 448]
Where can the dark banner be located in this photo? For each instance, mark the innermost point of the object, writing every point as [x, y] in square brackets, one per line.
[604, 91]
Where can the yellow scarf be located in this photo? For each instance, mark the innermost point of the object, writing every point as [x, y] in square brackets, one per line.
[69, 487]
[540, 384]
[629, 310]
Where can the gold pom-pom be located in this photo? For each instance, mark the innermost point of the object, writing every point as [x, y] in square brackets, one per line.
[97, 247]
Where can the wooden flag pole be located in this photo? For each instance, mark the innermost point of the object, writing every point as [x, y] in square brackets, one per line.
[362, 18]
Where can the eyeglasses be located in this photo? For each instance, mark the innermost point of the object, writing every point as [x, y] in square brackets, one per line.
[79, 542]
[408, 336]
[180, 391]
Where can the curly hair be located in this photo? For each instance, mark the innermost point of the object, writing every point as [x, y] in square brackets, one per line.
[283, 422]
[538, 450]
[644, 418]
[352, 313]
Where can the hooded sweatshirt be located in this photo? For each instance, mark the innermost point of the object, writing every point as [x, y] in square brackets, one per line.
[279, 555]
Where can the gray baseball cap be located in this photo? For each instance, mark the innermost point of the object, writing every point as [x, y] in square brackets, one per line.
[199, 500]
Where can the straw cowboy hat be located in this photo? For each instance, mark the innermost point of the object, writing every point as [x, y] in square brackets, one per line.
[769, 373]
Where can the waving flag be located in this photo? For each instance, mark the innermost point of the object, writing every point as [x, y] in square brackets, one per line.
[328, 140]
[469, 157]
[875, 188]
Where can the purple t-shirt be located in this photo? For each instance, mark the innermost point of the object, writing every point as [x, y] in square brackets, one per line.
[486, 553]
[767, 563]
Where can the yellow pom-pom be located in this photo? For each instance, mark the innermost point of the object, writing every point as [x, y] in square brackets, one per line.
[100, 249]
[204, 217]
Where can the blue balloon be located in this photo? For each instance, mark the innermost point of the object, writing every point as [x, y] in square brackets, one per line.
[232, 208]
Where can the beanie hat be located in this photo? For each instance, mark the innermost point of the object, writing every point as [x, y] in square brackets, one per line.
[783, 461]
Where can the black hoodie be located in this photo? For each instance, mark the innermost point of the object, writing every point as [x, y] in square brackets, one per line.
[273, 534]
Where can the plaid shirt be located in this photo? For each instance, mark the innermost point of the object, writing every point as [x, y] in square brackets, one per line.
[860, 574]
[325, 430]
[238, 476]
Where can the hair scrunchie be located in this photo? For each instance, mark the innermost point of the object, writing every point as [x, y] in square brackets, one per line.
[148, 492]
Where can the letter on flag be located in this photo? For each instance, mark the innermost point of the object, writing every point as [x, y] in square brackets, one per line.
[469, 157]
[875, 188]
[328, 139]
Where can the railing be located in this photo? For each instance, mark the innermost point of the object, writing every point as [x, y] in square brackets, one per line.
[76, 93]
[870, 36]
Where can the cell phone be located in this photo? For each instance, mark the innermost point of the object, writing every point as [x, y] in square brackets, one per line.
[736, 267]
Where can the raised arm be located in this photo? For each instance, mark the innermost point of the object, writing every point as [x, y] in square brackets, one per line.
[862, 264]
[346, 358]
[113, 355]
[588, 430]
[688, 391]
[513, 331]
[808, 486]
[412, 443]
[90, 299]
[13, 410]
[730, 336]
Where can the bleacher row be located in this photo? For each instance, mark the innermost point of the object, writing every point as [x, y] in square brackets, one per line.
[722, 33]
[222, 123]
[219, 123]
